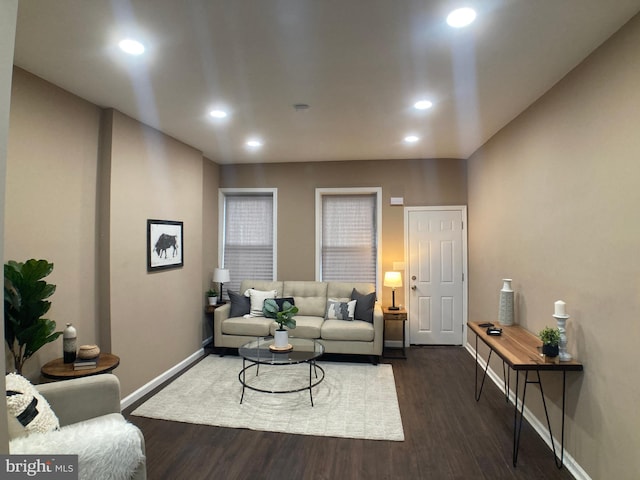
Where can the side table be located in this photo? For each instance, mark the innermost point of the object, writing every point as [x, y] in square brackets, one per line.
[394, 316]
[211, 309]
[58, 370]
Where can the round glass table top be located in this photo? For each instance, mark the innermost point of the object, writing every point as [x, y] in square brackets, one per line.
[304, 349]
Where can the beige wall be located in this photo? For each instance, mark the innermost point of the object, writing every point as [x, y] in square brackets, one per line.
[553, 200]
[80, 180]
[420, 182]
[155, 317]
[211, 180]
[8, 15]
[51, 200]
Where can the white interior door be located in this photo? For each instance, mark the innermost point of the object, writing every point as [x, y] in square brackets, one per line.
[436, 260]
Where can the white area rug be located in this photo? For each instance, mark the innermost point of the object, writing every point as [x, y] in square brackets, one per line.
[353, 401]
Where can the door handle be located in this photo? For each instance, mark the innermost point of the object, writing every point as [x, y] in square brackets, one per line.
[414, 288]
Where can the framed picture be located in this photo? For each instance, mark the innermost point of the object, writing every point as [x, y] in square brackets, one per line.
[165, 245]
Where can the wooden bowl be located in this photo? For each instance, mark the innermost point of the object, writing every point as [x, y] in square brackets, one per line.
[88, 351]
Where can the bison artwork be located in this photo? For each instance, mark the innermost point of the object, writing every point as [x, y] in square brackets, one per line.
[164, 243]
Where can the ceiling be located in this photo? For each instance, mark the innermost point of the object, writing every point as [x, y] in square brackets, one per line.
[359, 64]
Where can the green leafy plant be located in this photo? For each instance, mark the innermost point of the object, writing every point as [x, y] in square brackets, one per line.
[284, 317]
[212, 293]
[550, 336]
[25, 294]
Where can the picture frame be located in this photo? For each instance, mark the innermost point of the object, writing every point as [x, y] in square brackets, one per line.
[165, 245]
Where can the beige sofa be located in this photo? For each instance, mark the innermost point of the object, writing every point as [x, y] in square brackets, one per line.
[358, 337]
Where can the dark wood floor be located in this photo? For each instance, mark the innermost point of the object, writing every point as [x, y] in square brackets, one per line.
[447, 436]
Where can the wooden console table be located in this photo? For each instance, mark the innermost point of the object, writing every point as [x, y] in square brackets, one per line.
[520, 349]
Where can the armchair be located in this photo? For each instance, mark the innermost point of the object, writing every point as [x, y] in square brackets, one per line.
[92, 427]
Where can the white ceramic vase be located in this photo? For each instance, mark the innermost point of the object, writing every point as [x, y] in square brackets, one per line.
[281, 339]
[69, 344]
[213, 300]
[505, 313]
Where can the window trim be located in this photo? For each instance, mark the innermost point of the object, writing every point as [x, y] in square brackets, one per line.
[222, 193]
[320, 192]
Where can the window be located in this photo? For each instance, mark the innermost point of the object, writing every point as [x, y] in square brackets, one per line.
[348, 233]
[247, 234]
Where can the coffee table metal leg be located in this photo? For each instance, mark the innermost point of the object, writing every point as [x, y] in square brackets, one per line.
[311, 365]
[243, 378]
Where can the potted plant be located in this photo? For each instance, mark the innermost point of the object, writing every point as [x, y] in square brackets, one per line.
[25, 294]
[212, 295]
[550, 341]
[283, 317]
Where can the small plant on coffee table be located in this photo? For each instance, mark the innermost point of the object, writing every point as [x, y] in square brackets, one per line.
[284, 317]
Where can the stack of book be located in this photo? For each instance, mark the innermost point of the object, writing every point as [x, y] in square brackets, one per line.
[85, 363]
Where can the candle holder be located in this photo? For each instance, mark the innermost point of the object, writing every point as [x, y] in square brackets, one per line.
[562, 321]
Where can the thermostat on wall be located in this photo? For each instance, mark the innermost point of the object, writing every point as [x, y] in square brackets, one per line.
[397, 201]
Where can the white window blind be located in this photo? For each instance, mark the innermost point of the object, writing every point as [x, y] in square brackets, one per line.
[349, 238]
[248, 250]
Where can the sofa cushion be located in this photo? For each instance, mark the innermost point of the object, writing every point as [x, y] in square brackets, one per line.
[364, 306]
[337, 310]
[27, 409]
[257, 298]
[240, 305]
[263, 285]
[251, 326]
[306, 326]
[343, 290]
[310, 297]
[357, 330]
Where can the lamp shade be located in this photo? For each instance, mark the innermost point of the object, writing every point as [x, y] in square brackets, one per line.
[221, 275]
[392, 279]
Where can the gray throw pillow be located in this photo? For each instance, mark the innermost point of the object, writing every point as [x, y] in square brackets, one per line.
[364, 306]
[240, 305]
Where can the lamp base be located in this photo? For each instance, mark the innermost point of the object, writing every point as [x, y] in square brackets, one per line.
[394, 308]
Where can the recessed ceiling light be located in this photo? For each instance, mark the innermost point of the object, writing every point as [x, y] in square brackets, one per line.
[254, 143]
[461, 17]
[132, 47]
[422, 105]
[218, 113]
[411, 139]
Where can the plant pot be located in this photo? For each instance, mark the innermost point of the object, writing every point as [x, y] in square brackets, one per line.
[281, 339]
[550, 350]
[213, 300]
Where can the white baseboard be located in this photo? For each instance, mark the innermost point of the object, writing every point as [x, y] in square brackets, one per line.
[569, 462]
[160, 379]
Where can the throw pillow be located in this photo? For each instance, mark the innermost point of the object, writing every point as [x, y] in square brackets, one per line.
[280, 302]
[240, 305]
[337, 310]
[257, 298]
[365, 306]
[27, 409]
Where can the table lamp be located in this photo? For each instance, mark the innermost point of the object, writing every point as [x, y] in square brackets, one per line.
[221, 275]
[393, 280]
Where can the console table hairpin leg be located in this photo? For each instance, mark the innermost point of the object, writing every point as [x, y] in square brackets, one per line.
[506, 378]
[517, 424]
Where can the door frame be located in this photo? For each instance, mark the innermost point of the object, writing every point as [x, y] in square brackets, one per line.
[465, 274]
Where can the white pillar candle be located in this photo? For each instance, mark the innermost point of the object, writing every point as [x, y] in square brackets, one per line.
[560, 308]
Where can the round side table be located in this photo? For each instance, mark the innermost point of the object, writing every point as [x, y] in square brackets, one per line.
[58, 370]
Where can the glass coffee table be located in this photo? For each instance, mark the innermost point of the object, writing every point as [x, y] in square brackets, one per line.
[257, 352]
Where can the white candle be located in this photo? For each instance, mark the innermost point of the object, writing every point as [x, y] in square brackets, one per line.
[560, 308]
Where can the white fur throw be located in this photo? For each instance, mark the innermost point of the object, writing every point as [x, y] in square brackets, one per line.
[27, 410]
[108, 447]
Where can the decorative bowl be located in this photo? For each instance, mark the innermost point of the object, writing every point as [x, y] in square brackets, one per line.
[88, 351]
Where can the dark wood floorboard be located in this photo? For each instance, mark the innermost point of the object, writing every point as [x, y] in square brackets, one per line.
[448, 435]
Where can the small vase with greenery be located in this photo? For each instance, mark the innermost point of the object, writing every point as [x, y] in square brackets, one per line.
[283, 317]
[550, 341]
[212, 295]
[25, 294]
